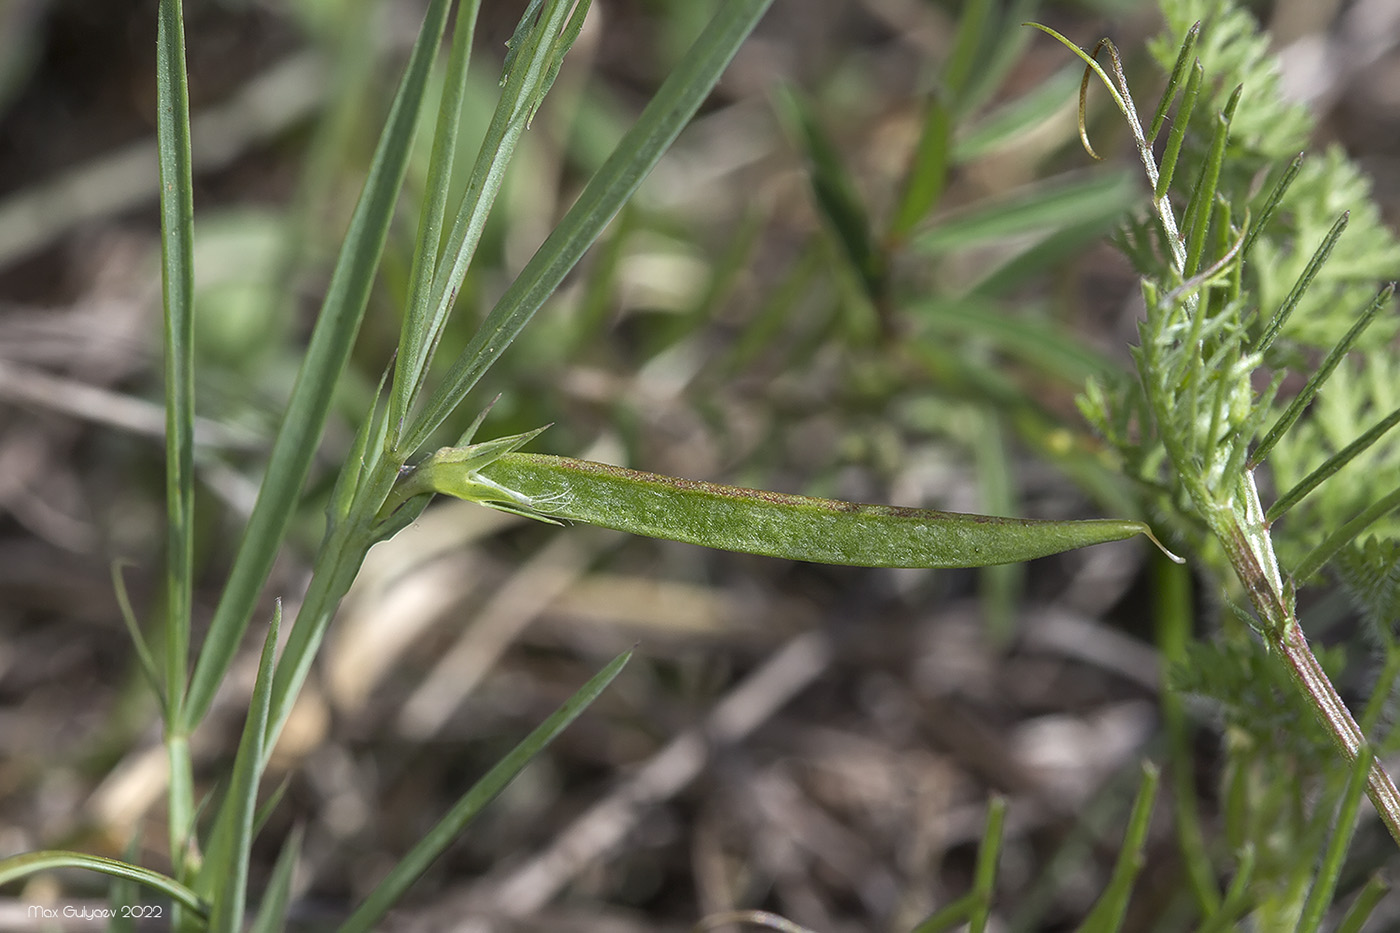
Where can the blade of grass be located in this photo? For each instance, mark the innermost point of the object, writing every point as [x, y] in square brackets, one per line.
[835, 192]
[414, 335]
[677, 100]
[1010, 123]
[1033, 208]
[326, 357]
[974, 907]
[408, 870]
[1001, 52]
[145, 660]
[229, 866]
[1035, 341]
[1171, 587]
[272, 912]
[1053, 251]
[177, 281]
[31, 863]
[533, 58]
[985, 874]
[1000, 586]
[177, 278]
[968, 41]
[123, 893]
[1226, 914]
[1325, 882]
[1360, 911]
[1107, 915]
[928, 169]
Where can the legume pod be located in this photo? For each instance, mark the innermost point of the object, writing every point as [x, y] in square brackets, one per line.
[751, 520]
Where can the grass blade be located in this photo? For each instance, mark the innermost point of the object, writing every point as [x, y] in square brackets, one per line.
[123, 893]
[928, 169]
[1360, 911]
[145, 660]
[414, 336]
[30, 863]
[635, 155]
[532, 59]
[1325, 884]
[835, 193]
[1010, 124]
[229, 864]
[272, 912]
[177, 277]
[985, 875]
[388, 891]
[1107, 915]
[1042, 207]
[1172, 618]
[968, 41]
[177, 281]
[329, 351]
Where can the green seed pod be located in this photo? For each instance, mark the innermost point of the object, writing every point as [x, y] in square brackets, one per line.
[751, 520]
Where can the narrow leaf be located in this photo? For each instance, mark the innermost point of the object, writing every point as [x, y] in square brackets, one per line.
[326, 357]
[240, 805]
[835, 193]
[392, 888]
[1344, 535]
[415, 334]
[527, 65]
[1275, 198]
[1333, 463]
[1034, 208]
[1202, 204]
[1009, 124]
[985, 875]
[272, 913]
[638, 151]
[133, 629]
[1183, 61]
[1315, 264]
[1107, 914]
[31, 863]
[1360, 911]
[928, 169]
[1324, 886]
[968, 41]
[1177, 135]
[177, 278]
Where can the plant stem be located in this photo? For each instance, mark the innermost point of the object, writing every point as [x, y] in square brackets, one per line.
[1249, 554]
[1302, 664]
